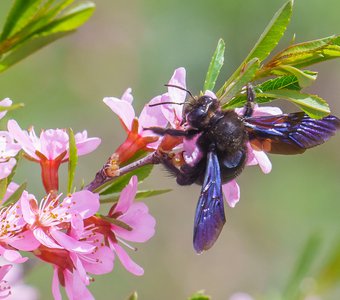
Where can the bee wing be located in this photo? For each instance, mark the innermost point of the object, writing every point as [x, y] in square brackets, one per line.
[290, 133]
[209, 216]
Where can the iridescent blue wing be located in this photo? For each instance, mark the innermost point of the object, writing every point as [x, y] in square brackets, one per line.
[209, 217]
[289, 134]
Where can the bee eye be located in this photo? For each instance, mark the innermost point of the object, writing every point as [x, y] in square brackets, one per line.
[196, 117]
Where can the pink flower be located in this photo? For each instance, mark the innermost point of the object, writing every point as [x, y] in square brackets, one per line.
[138, 138]
[5, 103]
[49, 217]
[5, 288]
[131, 221]
[18, 287]
[13, 234]
[50, 149]
[8, 150]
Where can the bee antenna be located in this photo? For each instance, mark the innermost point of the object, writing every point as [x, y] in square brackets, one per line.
[180, 88]
[167, 102]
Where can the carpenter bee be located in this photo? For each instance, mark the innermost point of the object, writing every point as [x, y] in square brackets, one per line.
[222, 140]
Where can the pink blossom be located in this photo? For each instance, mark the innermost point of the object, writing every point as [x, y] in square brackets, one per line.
[139, 225]
[5, 288]
[138, 138]
[18, 287]
[47, 218]
[5, 103]
[51, 143]
[50, 149]
[13, 234]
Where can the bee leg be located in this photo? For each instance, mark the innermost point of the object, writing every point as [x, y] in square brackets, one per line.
[249, 107]
[172, 132]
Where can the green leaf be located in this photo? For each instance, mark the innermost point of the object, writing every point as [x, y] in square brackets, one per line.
[16, 195]
[73, 160]
[329, 275]
[12, 107]
[244, 77]
[133, 296]
[139, 195]
[200, 295]
[307, 53]
[305, 78]
[27, 49]
[70, 19]
[117, 184]
[44, 26]
[267, 41]
[289, 82]
[22, 12]
[215, 66]
[3, 188]
[302, 267]
[312, 105]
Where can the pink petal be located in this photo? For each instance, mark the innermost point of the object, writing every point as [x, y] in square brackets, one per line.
[26, 242]
[151, 116]
[87, 146]
[127, 196]
[4, 270]
[263, 161]
[266, 111]
[231, 191]
[7, 167]
[178, 78]
[83, 202]
[75, 288]
[45, 239]
[141, 222]
[127, 96]
[127, 262]
[53, 142]
[4, 103]
[13, 256]
[99, 262]
[123, 109]
[210, 94]
[27, 212]
[192, 154]
[55, 285]
[70, 243]
[22, 138]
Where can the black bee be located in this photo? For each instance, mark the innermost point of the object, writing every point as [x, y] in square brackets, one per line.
[223, 137]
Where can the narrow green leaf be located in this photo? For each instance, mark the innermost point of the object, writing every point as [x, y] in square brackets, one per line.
[27, 49]
[73, 160]
[12, 107]
[200, 295]
[3, 188]
[70, 19]
[329, 275]
[215, 66]
[117, 184]
[244, 77]
[267, 41]
[307, 53]
[302, 267]
[305, 79]
[133, 296]
[139, 195]
[312, 105]
[22, 12]
[16, 195]
[116, 222]
[289, 82]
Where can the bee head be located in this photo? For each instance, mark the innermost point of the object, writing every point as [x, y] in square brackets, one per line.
[197, 113]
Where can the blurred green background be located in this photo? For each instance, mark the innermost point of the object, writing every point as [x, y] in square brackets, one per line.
[138, 44]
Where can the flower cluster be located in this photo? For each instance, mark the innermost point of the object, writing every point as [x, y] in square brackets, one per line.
[65, 231]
